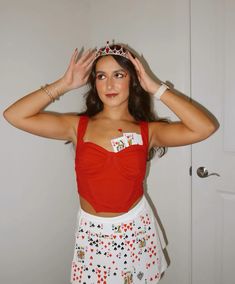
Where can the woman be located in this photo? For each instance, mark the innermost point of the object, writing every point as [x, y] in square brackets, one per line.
[117, 237]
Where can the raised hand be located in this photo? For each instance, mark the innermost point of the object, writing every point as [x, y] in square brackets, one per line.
[79, 69]
[146, 82]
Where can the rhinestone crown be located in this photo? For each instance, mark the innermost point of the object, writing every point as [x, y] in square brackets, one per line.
[114, 49]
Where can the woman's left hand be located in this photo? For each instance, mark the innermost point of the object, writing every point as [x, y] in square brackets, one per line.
[146, 82]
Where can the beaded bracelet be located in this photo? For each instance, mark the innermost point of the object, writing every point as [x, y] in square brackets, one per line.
[160, 91]
[44, 88]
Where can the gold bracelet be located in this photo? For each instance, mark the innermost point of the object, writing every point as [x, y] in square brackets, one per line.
[48, 93]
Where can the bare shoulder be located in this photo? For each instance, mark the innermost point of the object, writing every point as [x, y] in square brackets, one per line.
[73, 119]
[155, 128]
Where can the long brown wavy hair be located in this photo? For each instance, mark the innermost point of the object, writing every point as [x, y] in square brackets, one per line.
[139, 102]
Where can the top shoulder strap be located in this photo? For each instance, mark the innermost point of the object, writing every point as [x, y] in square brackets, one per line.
[82, 125]
[145, 132]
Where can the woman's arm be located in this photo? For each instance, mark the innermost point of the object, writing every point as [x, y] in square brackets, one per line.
[195, 124]
[27, 113]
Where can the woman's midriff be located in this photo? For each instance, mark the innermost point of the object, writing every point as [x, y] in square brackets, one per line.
[87, 207]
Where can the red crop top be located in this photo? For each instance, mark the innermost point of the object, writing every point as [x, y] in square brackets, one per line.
[109, 181]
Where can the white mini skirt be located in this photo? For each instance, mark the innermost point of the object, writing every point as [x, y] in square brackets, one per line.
[124, 249]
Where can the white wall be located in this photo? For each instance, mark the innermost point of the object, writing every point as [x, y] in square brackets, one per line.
[38, 198]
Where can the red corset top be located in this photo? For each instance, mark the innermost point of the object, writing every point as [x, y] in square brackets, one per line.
[110, 181]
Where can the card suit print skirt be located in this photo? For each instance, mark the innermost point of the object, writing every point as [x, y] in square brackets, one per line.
[124, 249]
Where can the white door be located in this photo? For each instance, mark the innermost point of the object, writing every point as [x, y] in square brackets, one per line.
[213, 197]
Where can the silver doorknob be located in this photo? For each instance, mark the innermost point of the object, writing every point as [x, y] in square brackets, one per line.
[202, 172]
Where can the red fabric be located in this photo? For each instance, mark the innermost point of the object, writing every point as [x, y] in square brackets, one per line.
[109, 181]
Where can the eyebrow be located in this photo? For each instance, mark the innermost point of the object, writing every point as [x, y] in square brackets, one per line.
[103, 72]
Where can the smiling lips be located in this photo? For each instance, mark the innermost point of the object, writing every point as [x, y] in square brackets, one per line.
[111, 95]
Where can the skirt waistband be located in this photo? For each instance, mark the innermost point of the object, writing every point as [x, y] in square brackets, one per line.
[139, 207]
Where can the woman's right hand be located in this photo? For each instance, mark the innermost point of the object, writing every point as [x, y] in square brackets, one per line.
[79, 69]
